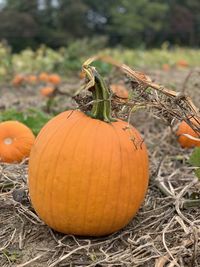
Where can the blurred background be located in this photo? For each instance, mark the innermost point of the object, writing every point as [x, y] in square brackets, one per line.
[124, 23]
[58, 35]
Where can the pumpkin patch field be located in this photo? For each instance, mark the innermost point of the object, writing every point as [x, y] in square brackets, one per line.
[100, 158]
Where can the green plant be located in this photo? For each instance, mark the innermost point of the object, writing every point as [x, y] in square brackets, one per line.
[195, 161]
[33, 118]
[6, 67]
[68, 59]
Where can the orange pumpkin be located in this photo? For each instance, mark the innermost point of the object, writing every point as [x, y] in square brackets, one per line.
[119, 90]
[54, 79]
[166, 67]
[16, 140]
[186, 141]
[18, 80]
[143, 76]
[88, 175]
[47, 91]
[182, 63]
[44, 77]
[32, 79]
[82, 75]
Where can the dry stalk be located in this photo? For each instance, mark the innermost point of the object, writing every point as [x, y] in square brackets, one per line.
[175, 104]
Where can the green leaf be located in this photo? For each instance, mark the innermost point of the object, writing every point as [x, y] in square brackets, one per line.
[195, 157]
[197, 172]
[33, 118]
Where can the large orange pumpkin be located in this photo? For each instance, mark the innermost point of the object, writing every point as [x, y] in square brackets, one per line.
[16, 140]
[184, 128]
[88, 175]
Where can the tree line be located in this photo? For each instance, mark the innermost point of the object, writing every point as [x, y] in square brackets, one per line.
[129, 23]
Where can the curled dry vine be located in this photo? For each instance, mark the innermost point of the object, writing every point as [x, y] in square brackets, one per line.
[165, 103]
[147, 94]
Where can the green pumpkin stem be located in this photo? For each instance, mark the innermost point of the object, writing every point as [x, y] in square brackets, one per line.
[101, 109]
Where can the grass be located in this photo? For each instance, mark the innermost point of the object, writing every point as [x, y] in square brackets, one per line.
[67, 60]
[155, 57]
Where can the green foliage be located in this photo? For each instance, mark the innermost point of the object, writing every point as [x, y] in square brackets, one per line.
[195, 157]
[195, 160]
[34, 119]
[44, 58]
[139, 20]
[68, 60]
[154, 58]
[5, 61]
[197, 172]
[103, 67]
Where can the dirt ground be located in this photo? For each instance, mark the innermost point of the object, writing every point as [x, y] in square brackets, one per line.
[166, 230]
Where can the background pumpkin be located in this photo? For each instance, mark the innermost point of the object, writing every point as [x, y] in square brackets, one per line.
[16, 140]
[44, 77]
[120, 91]
[54, 79]
[98, 174]
[32, 79]
[182, 63]
[47, 91]
[18, 80]
[184, 128]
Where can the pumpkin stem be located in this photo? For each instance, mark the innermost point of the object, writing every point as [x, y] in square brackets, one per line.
[102, 103]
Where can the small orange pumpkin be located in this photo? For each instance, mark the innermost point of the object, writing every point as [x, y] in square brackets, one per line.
[82, 75]
[182, 63]
[143, 76]
[184, 128]
[47, 91]
[98, 174]
[32, 79]
[16, 140]
[166, 67]
[120, 91]
[44, 77]
[54, 79]
[18, 80]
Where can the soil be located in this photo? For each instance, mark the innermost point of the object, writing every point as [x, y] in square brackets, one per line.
[166, 230]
